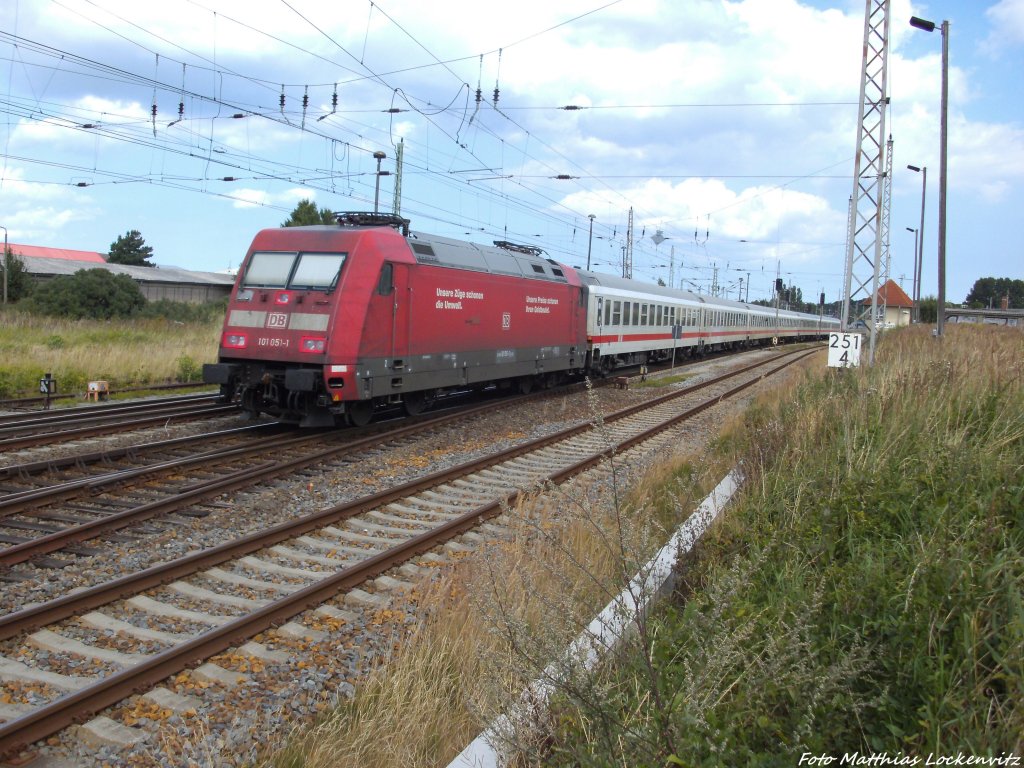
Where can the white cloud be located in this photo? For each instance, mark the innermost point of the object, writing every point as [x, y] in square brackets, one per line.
[252, 198]
[1007, 19]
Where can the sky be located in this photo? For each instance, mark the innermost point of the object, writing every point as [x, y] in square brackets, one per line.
[728, 129]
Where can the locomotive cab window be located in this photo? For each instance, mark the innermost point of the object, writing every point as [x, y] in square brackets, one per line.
[269, 270]
[317, 271]
[386, 284]
[298, 271]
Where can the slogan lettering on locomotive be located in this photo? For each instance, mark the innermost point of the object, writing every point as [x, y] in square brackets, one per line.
[452, 298]
[539, 305]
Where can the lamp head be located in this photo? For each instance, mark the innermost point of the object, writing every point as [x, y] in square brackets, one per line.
[919, 23]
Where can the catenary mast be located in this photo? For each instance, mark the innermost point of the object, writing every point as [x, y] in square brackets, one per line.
[864, 249]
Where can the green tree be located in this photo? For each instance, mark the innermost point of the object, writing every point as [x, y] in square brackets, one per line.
[989, 291]
[89, 293]
[19, 283]
[130, 249]
[306, 213]
[928, 308]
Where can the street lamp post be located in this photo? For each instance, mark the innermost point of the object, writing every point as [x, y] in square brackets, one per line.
[913, 289]
[929, 26]
[590, 240]
[376, 190]
[923, 170]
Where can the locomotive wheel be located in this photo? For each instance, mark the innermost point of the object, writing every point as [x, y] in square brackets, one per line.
[250, 402]
[525, 385]
[360, 413]
[415, 403]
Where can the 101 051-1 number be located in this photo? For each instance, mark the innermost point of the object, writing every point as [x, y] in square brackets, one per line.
[265, 342]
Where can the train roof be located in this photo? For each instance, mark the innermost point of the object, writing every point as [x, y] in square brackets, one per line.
[510, 259]
[624, 284]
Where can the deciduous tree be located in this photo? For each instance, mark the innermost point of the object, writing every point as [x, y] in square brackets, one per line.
[306, 213]
[989, 292]
[19, 284]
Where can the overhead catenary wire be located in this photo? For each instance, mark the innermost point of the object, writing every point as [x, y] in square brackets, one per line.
[543, 195]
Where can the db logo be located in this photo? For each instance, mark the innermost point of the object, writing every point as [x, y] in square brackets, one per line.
[277, 320]
[506, 320]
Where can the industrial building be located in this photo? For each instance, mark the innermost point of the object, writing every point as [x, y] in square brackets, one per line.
[156, 283]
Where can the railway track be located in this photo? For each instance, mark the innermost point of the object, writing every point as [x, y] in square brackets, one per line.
[25, 430]
[22, 403]
[169, 477]
[224, 595]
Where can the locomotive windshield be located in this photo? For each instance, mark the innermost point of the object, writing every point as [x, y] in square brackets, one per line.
[297, 271]
[317, 271]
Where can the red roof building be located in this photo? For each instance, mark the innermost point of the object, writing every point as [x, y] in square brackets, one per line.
[896, 302]
[39, 252]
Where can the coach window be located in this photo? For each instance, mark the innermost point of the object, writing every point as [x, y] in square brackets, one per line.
[643, 314]
[607, 312]
[617, 313]
[625, 313]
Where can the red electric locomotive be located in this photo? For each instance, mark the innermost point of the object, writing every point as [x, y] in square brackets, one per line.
[331, 323]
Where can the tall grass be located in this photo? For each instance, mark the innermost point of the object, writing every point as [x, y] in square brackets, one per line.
[863, 596]
[125, 353]
[866, 594]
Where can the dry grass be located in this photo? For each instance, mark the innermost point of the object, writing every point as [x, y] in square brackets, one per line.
[493, 623]
[125, 353]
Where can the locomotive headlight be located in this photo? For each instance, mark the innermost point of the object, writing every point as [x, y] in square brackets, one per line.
[235, 341]
[312, 344]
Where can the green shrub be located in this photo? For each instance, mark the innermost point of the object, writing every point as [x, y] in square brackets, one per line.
[189, 369]
[89, 293]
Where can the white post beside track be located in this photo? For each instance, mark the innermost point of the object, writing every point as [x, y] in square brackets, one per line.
[606, 632]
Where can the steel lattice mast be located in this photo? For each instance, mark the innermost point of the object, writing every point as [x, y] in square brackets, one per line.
[396, 205]
[864, 250]
[627, 254]
[886, 209]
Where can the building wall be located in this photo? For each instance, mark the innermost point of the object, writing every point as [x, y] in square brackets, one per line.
[185, 293]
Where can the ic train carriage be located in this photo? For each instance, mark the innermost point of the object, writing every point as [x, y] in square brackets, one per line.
[328, 324]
